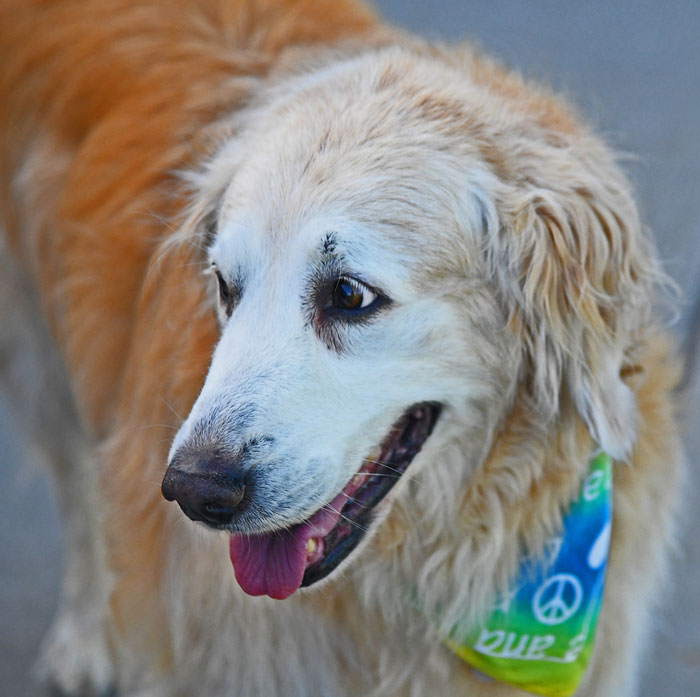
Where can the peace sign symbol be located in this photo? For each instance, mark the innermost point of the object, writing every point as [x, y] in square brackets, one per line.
[557, 599]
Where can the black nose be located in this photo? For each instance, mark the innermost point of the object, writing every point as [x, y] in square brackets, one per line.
[211, 496]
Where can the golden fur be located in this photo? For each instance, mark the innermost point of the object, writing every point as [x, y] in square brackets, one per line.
[104, 106]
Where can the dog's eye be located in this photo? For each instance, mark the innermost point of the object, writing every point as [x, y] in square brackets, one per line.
[224, 290]
[228, 294]
[341, 301]
[350, 294]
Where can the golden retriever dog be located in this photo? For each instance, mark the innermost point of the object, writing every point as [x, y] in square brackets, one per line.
[319, 326]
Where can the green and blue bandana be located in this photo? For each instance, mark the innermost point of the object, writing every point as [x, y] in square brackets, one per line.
[540, 637]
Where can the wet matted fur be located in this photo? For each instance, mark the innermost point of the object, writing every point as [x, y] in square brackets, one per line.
[140, 141]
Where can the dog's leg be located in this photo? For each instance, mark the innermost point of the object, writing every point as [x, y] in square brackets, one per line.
[76, 655]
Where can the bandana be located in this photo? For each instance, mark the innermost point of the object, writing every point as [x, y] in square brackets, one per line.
[540, 637]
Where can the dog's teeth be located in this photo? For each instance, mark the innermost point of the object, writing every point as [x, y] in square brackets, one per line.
[357, 479]
[311, 546]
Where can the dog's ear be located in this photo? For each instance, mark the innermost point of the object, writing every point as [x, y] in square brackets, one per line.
[204, 190]
[575, 273]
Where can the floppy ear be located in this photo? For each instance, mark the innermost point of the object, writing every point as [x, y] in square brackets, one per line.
[205, 189]
[575, 273]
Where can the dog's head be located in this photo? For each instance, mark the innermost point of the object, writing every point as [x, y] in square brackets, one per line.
[401, 243]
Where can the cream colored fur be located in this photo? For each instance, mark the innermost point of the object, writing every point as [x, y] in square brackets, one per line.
[523, 288]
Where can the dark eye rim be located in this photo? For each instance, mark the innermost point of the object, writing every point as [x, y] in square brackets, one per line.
[332, 311]
[225, 294]
[229, 293]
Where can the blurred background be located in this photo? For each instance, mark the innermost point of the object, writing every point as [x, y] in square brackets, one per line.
[633, 69]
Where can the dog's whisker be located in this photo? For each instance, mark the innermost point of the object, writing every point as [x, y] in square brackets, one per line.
[170, 426]
[344, 517]
[172, 409]
[386, 465]
[399, 473]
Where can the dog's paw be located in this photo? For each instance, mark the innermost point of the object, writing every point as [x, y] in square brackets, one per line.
[75, 660]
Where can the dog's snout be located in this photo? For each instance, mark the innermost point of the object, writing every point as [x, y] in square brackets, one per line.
[211, 495]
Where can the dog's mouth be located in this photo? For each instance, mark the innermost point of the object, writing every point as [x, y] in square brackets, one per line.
[280, 562]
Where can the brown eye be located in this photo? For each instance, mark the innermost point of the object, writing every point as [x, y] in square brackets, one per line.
[351, 295]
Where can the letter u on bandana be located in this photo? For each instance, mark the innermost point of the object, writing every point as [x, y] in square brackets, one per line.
[540, 638]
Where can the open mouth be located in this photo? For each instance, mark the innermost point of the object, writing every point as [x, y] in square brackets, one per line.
[280, 562]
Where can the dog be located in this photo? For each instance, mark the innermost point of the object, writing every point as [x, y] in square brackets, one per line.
[324, 324]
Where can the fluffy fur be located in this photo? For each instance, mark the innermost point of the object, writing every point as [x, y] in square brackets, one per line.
[141, 140]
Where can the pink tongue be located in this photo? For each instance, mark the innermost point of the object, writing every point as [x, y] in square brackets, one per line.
[273, 563]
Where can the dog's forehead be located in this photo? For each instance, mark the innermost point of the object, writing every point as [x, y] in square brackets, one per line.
[369, 157]
[242, 247]
[355, 162]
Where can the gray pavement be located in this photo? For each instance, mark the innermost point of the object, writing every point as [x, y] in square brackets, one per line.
[633, 68]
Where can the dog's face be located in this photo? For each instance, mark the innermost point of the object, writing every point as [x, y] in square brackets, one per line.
[359, 315]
